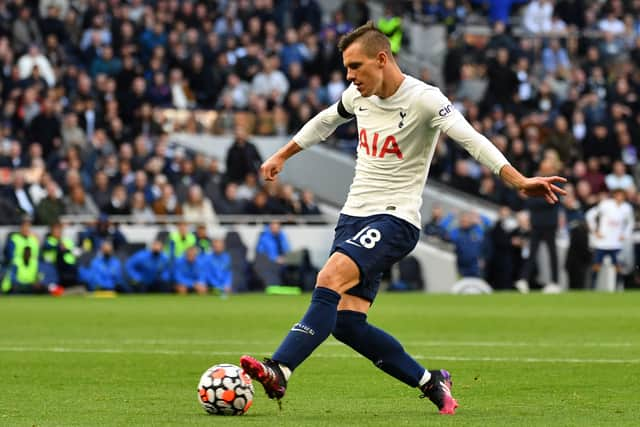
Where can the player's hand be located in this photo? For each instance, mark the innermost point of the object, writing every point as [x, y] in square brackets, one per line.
[271, 167]
[544, 186]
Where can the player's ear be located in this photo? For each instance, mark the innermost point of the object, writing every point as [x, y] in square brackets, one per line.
[382, 58]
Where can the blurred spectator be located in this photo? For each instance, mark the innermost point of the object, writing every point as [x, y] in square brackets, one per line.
[19, 240]
[555, 58]
[355, 11]
[203, 241]
[119, 202]
[308, 204]
[189, 273]
[270, 83]
[35, 60]
[242, 158]
[18, 194]
[503, 81]
[24, 275]
[58, 251]
[197, 208]
[391, 25]
[80, 203]
[249, 187]
[537, 15]
[594, 177]
[217, 263]
[51, 207]
[25, 30]
[499, 10]
[544, 224]
[140, 211]
[437, 225]
[105, 272]
[167, 203]
[230, 204]
[179, 240]
[92, 238]
[619, 178]
[468, 240]
[148, 269]
[273, 243]
[500, 262]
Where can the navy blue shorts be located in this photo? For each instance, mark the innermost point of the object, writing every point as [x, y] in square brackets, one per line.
[599, 255]
[374, 243]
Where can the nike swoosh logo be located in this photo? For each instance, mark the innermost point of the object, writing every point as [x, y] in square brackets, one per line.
[362, 109]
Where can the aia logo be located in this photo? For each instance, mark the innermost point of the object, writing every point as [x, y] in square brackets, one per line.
[445, 110]
[390, 145]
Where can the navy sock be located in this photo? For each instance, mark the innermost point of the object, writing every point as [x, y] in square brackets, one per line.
[378, 346]
[315, 327]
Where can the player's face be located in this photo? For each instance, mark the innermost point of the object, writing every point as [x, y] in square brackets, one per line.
[363, 70]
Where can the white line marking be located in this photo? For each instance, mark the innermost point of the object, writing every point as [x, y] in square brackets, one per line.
[129, 341]
[319, 355]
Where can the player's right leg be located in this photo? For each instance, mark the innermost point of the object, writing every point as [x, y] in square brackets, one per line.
[338, 275]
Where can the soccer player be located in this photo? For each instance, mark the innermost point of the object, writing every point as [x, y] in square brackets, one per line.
[611, 222]
[399, 120]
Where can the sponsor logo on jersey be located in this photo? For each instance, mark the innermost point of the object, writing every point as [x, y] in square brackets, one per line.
[445, 110]
[370, 145]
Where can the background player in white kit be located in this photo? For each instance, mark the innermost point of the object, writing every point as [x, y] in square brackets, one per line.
[399, 121]
[611, 222]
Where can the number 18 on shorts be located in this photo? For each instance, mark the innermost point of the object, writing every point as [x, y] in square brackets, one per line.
[374, 243]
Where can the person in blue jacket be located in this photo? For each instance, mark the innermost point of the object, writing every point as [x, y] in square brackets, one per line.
[148, 269]
[105, 271]
[273, 242]
[468, 239]
[217, 266]
[190, 273]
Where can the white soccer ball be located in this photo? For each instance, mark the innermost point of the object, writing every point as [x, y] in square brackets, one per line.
[225, 389]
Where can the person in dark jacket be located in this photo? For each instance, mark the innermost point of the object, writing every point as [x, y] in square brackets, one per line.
[500, 265]
[544, 224]
[242, 158]
[148, 269]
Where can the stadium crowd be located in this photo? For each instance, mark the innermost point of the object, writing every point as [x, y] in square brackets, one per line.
[90, 90]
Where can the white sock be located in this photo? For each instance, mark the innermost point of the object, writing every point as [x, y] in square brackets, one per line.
[285, 371]
[425, 378]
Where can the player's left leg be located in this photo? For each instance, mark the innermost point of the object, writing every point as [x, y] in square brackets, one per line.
[387, 354]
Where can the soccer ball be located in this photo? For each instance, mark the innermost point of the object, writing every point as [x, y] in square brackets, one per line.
[225, 390]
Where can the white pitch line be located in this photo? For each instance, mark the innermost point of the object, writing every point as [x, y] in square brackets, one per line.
[129, 341]
[318, 355]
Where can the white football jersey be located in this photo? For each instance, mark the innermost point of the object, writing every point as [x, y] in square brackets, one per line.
[397, 137]
[613, 222]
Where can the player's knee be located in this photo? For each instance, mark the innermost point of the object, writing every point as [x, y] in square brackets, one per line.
[334, 280]
[349, 324]
[329, 279]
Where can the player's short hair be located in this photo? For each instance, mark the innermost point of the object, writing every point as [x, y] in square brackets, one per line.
[371, 38]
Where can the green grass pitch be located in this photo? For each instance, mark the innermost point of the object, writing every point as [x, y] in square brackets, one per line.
[516, 360]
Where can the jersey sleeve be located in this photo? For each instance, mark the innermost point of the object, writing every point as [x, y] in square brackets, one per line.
[325, 122]
[438, 110]
[442, 115]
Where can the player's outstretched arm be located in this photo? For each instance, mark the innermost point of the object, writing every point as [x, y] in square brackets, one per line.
[537, 186]
[274, 164]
